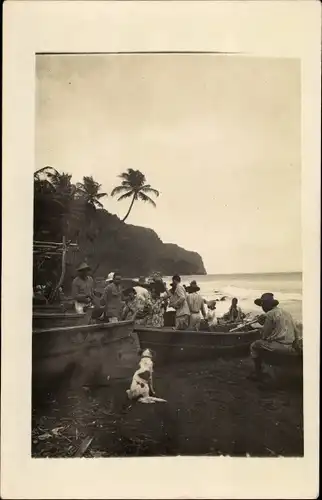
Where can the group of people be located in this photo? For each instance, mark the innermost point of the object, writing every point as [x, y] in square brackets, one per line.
[146, 302]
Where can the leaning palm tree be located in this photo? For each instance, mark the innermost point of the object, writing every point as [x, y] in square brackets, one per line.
[133, 186]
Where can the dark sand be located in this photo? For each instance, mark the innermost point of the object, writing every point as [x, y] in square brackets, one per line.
[212, 409]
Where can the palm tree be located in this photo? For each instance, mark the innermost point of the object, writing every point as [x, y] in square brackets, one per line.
[55, 190]
[133, 186]
[54, 181]
[89, 191]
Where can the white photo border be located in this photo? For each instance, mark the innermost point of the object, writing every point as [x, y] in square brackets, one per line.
[264, 29]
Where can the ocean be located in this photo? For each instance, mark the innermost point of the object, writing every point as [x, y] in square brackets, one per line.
[287, 288]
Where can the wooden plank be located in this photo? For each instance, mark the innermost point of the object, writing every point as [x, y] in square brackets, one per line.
[83, 447]
[84, 328]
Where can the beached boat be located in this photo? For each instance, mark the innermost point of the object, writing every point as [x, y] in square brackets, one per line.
[83, 354]
[51, 318]
[287, 359]
[172, 345]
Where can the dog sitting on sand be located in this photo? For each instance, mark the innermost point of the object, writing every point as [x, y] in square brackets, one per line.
[141, 389]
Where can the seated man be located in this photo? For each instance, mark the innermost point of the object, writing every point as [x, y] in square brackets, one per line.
[279, 334]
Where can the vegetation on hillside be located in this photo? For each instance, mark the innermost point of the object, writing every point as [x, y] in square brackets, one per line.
[75, 210]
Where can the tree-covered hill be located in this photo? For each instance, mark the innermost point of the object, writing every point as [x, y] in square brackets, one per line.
[75, 211]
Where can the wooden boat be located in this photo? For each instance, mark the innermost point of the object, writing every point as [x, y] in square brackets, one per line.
[175, 345]
[83, 354]
[287, 359]
[42, 319]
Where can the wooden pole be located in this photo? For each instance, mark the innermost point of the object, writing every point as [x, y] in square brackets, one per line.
[63, 270]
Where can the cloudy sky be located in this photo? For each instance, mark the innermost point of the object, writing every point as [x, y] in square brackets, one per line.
[218, 136]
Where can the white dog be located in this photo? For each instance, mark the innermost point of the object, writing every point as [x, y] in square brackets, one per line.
[141, 388]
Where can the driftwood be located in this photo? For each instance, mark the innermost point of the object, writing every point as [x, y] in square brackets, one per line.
[83, 447]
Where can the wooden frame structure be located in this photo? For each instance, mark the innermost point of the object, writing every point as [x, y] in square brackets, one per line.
[48, 249]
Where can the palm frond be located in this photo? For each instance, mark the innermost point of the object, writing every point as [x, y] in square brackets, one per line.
[118, 190]
[132, 178]
[148, 189]
[125, 195]
[124, 176]
[100, 195]
[146, 199]
[46, 169]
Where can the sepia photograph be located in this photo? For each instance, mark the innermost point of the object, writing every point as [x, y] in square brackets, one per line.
[167, 278]
[160, 296]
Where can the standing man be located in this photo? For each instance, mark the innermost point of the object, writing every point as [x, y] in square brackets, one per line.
[82, 288]
[279, 334]
[178, 300]
[196, 305]
[112, 299]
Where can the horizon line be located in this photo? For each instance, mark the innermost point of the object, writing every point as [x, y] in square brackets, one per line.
[253, 272]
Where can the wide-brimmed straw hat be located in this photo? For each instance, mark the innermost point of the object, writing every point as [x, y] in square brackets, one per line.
[193, 287]
[267, 298]
[84, 266]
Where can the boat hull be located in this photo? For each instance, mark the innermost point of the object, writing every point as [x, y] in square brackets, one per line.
[175, 345]
[55, 319]
[83, 354]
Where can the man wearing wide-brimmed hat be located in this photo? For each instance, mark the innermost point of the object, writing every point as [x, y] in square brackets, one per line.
[82, 288]
[279, 333]
[196, 305]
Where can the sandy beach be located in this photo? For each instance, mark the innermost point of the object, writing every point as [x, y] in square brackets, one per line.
[212, 409]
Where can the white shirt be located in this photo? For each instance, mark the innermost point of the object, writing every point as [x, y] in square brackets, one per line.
[178, 300]
[142, 292]
[279, 326]
[211, 317]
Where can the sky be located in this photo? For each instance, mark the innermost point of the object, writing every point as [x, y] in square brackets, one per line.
[218, 136]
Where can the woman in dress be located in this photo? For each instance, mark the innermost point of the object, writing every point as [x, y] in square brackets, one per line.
[156, 308]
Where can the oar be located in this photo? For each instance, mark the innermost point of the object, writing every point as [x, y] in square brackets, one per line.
[243, 325]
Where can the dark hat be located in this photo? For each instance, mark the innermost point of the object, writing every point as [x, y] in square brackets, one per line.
[129, 290]
[158, 286]
[83, 266]
[267, 298]
[193, 287]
